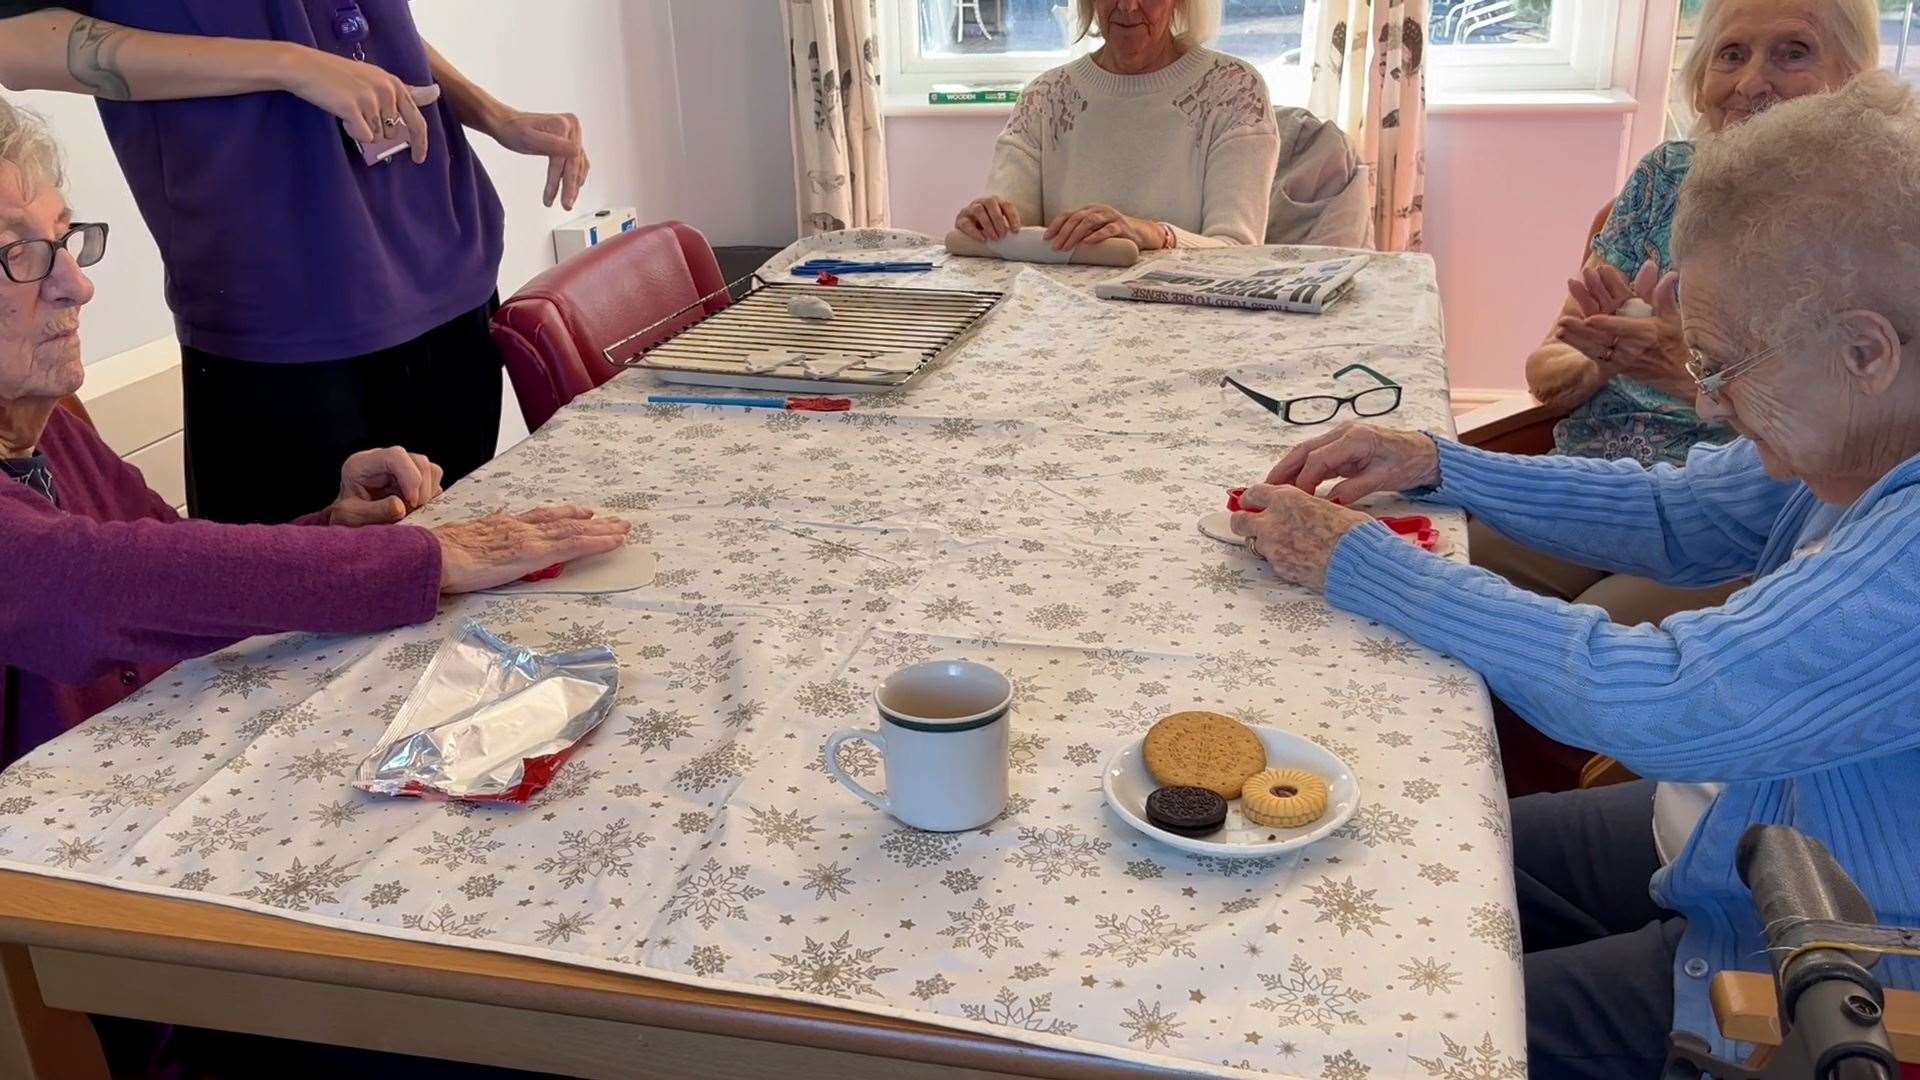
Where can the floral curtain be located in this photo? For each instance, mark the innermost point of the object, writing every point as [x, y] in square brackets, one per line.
[1367, 78]
[839, 144]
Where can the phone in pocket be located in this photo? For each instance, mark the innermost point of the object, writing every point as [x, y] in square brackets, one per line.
[375, 152]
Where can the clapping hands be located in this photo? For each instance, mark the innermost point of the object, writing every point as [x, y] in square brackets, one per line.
[1629, 328]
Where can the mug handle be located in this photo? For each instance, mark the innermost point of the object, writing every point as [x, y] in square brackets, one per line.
[841, 738]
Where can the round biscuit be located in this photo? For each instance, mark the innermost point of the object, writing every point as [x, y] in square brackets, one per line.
[1203, 749]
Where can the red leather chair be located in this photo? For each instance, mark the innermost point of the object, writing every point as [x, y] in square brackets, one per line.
[552, 332]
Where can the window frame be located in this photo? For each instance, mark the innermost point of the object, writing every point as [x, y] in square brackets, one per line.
[1584, 38]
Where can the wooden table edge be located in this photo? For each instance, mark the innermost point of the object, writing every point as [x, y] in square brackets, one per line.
[56, 913]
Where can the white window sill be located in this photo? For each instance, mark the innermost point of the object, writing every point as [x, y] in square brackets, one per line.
[896, 105]
[1438, 104]
[1531, 101]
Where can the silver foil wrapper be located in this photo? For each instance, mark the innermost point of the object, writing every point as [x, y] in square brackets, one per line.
[490, 721]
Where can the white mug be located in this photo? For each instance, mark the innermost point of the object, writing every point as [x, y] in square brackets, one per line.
[943, 737]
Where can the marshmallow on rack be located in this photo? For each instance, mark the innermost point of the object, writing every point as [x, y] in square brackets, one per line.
[810, 308]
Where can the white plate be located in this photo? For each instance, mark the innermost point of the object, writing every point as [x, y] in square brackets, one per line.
[1219, 526]
[1127, 784]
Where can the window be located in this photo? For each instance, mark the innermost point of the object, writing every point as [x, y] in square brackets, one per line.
[1903, 55]
[1477, 45]
[1899, 53]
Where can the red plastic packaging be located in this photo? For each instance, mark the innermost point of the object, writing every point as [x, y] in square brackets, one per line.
[1416, 528]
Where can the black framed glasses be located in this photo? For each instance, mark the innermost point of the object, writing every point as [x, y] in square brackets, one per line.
[1320, 408]
[28, 261]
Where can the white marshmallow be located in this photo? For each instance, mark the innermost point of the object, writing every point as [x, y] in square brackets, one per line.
[810, 308]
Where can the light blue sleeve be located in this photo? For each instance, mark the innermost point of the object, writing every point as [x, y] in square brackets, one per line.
[1704, 524]
[1809, 668]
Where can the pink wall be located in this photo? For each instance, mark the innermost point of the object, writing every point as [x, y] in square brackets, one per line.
[1509, 200]
[1509, 197]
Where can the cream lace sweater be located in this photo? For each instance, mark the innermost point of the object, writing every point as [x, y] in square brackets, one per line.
[1193, 145]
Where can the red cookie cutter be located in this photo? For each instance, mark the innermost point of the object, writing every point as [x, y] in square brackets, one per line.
[827, 279]
[1233, 503]
[1417, 528]
[545, 573]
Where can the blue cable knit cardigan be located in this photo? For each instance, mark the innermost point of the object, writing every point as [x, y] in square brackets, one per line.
[1801, 693]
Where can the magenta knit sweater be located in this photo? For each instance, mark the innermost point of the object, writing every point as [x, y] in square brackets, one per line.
[101, 594]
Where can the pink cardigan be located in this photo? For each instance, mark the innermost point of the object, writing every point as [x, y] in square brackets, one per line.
[101, 594]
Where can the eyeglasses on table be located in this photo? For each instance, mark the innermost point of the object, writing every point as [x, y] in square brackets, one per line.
[1320, 408]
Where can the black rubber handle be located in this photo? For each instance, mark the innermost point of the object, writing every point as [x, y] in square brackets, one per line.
[1794, 876]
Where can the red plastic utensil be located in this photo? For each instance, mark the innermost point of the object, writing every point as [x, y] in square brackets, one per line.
[819, 404]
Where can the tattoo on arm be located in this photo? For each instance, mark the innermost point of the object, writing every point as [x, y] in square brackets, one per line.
[93, 49]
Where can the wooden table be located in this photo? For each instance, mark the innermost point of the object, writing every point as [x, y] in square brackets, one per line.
[69, 948]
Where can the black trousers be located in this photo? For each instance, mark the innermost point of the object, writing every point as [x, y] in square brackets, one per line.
[264, 441]
[1599, 951]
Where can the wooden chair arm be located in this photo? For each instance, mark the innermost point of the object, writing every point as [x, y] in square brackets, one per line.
[1514, 426]
[1602, 771]
[1745, 1008]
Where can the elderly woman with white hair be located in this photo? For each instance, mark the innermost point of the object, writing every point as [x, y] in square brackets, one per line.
[106, 587]
[1618, 371]
[1153, 138]
[1794, 702]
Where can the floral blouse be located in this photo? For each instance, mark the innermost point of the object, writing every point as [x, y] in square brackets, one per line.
[1628, 418]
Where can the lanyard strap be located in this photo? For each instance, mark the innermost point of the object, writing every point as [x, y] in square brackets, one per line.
[350, 26]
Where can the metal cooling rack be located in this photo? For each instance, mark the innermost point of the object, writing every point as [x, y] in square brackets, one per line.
[868, 320]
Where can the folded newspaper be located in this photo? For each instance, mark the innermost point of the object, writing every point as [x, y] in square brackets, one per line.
[1309, 287]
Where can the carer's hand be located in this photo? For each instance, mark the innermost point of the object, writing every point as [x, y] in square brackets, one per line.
[556, 137]
[379, 487]
[497, 549]
[1296, 533]
[362, 95]
[1370, 459]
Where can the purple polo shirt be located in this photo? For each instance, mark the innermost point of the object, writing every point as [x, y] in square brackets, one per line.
[279, 243]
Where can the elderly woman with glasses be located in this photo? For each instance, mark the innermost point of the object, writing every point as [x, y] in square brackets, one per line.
[105, 587]
[1793, 702]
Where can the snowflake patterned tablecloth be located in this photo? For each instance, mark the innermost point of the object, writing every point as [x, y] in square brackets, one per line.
[1031, 504]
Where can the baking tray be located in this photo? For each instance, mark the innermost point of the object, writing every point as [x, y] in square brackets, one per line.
[869, 320]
